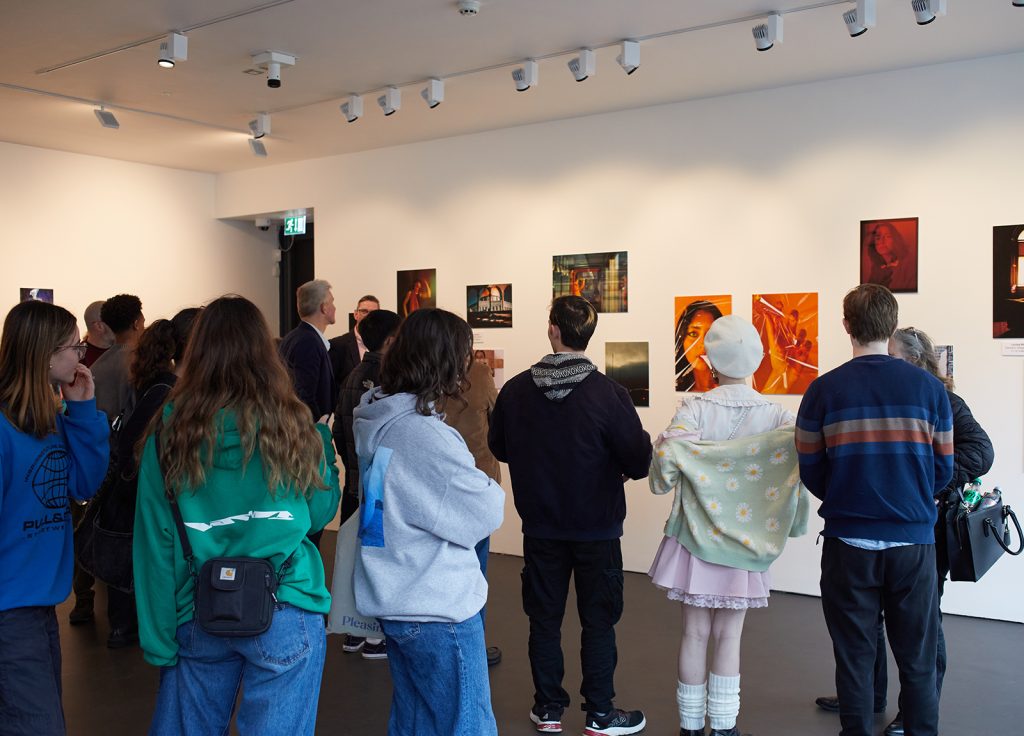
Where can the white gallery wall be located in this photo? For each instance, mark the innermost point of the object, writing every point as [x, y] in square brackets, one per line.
[752, 193]
[92, 227]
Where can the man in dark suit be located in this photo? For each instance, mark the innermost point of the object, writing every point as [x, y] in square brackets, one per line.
[348, 350]
[304, 349]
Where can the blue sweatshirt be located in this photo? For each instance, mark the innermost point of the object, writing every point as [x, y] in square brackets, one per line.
[36, 478]
[875, 443]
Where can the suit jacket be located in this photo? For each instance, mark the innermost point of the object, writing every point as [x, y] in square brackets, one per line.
[344, 354]
[305, 354]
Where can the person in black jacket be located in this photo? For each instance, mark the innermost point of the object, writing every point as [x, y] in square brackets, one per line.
[151, 374]
[347, 351]
[571, 436]
[304, 349]
[972, 458]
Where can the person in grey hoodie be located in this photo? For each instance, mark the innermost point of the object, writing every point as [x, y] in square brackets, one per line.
[425, 507]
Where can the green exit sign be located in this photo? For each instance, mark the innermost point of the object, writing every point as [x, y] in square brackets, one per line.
[295, 225]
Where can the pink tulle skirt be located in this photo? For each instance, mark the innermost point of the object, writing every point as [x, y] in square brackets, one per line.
[695, 582]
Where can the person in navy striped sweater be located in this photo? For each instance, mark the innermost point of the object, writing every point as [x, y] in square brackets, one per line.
[875, 443]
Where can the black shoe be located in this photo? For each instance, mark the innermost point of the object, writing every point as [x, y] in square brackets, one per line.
[121, 638]
[831, 704]
[493, 656]
[828, 702]
[617, 722]
[81, 613]
[353, 643]
[547, 718]
[691, 732]
[375, 651]
[734, 731]
[896, 727]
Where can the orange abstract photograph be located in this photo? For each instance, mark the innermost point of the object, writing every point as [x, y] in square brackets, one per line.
[693, 318]
[788, 325]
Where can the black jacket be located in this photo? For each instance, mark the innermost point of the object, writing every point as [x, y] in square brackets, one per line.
[305, 354]
[352, 390]
[344, 355]
[972, 449]
[567, 459]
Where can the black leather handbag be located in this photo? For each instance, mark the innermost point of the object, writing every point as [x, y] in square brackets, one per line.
[975, 539]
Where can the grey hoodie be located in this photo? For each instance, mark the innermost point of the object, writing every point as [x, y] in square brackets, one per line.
[425, 507]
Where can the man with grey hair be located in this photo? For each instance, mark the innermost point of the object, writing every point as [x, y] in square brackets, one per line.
[304, 349]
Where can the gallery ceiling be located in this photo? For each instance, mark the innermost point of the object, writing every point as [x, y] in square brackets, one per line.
[195, 115]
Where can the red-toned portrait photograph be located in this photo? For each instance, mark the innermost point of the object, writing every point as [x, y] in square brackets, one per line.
[888, 253]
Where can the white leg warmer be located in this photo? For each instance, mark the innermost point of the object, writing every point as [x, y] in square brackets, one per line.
[723, 701]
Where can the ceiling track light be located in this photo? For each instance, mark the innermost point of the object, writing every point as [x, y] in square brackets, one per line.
[1018, 3]
[629, 58]
[925, 11]
[260, 126]
[767, 34]
[525, 76]
[390, 101]
[433, 93]
[583, 66]
[257, 147]
[272, 61]
[106, 118]
[174, 48]
[860, 19]
[353, 109]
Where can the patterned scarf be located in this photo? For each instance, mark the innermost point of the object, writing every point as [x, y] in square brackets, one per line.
[558, 374]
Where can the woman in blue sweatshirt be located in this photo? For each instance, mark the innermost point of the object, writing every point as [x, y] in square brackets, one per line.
[46, 455]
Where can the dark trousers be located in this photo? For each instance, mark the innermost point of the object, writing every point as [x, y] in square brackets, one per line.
[30, 689]
[81, 581]
[856, 586]
[941, 570]
[121, 610]
[597, 570]
[483, 548]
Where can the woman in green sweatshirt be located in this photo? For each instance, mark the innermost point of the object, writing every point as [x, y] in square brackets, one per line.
[252, 477]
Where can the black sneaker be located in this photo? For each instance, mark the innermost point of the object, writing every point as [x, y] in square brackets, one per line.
[353, 643]
[548, 719]
[493, 656]
[375, 651]
[616, 723]
[121, 638]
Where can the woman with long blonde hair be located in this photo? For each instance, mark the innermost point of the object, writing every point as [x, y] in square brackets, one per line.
[48, 452]
[252, 476]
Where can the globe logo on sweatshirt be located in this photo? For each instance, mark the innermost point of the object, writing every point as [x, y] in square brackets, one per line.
[50, 480]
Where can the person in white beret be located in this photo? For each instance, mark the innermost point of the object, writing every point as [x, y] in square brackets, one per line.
[729, 456]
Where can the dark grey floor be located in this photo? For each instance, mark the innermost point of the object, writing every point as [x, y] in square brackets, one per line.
[787, 662]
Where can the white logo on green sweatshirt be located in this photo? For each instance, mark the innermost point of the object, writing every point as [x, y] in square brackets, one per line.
[228, 521]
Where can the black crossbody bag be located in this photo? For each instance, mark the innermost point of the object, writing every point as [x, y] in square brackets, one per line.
[234, 596]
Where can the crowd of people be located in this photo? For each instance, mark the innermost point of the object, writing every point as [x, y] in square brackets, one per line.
[206, 449]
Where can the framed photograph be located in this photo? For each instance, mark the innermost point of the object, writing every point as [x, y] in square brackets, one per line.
[489, 305]
[788, 325]
[1008, 281]
[693, 318]
[888, 253]
[37, 295]
[628, 364]
[600, 278]
[416, 289]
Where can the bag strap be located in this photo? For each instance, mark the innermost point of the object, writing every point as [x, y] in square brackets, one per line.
[186, 546]
[1005, 544]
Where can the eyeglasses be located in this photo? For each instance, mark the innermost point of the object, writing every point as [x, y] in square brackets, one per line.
[81, 347]
[361, 311]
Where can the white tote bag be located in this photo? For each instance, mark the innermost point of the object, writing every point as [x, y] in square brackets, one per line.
[344, 618]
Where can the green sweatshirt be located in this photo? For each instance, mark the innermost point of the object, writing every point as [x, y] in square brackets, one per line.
[232, 515]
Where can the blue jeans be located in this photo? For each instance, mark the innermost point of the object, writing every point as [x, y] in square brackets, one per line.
[30, 691]
[439, 679]
[278, 671]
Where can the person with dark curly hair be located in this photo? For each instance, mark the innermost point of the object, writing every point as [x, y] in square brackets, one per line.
[154, 367]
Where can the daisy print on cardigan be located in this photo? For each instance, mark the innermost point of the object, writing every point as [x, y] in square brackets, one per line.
[736, 501]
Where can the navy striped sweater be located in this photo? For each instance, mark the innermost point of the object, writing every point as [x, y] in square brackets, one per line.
[875, 442]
